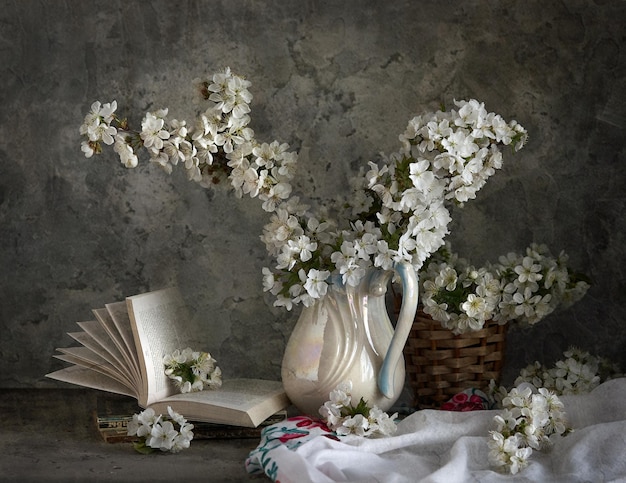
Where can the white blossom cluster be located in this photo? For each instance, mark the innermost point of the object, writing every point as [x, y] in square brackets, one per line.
[531, 419]
[524, 288]
[578, 373]
[218, 144]
[171, 433]
[344, 418]
[192, 371]
[461, 146]
[398, 211]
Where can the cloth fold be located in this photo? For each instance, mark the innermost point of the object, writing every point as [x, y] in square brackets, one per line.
[445, 446]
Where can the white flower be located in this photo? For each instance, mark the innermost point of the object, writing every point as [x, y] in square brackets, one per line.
[141, 424]
[303, 247]
[102, 132]
[152, 131]
[180, 442]
[87, 148]
[528, 271]
[270, 284]
[230, 93]
[162, 436]
[357, 424]
[148, 417]
[475, 307]
[507, 453]
[316, 285]
[342, 394]
[98, 122]
[382, 422]
[125, 151]
[421, 175]
[282, 301]
[447, 278]
[384, 256]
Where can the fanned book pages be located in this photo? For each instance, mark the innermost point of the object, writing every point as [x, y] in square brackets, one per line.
[122, 349]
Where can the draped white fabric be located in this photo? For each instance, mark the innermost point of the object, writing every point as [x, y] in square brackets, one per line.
[442, 446]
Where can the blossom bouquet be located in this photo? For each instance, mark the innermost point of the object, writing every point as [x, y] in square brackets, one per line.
[396, 214]
[398, 209]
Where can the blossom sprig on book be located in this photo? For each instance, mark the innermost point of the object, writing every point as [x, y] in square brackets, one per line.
[192, 371]
[344, 418]
[398, 210]
[522, 288]
[171, 433]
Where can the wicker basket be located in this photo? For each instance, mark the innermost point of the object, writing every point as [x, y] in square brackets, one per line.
[440, 364]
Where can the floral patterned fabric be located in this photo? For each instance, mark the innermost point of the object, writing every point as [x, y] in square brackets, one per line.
[294, 432]
[432, 445]
[289, 435]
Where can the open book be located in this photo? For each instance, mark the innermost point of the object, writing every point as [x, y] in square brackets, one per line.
[122, 351]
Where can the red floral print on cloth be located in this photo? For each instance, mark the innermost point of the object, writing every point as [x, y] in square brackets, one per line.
[290, 434]
[468, 400]
[305, 422]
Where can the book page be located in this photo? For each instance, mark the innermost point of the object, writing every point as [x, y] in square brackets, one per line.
[241, 402]
[160, 324]
[86, 340]
[109, 326]
[119, 314]
[82, 376]
[94, 336]
[84, 357]
[238, 394]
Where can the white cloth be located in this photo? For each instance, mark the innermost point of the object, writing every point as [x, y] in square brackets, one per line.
[443, 446]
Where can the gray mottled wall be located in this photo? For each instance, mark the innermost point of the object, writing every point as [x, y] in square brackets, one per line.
[338, 80]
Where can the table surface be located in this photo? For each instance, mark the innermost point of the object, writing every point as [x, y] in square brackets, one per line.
[51, 435]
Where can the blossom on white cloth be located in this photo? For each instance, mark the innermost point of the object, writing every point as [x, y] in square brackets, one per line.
[530, 420]
[344, 418]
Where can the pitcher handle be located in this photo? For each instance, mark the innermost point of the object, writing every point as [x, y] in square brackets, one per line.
[410, 290]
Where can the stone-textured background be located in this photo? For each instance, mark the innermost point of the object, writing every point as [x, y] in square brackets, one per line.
[337, 80]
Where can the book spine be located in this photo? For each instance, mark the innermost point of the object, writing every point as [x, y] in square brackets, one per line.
[119, 435]
[114, 429]
[113, 422]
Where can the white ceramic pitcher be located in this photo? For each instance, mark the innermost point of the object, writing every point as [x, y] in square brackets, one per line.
[347, 335]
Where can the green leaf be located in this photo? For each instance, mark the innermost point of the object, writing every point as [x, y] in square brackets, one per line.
[361, 408]
[141, 447]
